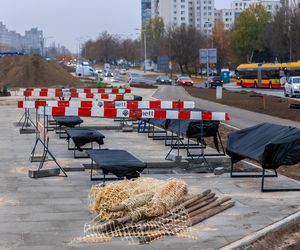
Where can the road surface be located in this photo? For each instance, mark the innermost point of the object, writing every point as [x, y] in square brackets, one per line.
[271, 92]
[240, 118]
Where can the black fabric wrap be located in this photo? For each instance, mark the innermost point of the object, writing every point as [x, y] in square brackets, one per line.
[68, 121]
[117, 162]
[269, 144]
[192, 129]
[82, 136]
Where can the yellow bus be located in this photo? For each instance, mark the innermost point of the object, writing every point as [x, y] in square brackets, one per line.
[292, 69]
[257, 75]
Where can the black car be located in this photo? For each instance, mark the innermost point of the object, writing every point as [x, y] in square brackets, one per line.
[213, 82]
[163, 80]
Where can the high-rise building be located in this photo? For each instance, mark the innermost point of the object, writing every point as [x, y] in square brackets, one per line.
[291, 3]
[193, 13]
[271, 6]
[31, 42]
[228, 16]
[146, 11]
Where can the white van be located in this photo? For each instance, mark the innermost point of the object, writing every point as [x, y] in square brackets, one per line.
[84, 70]
[106, 66]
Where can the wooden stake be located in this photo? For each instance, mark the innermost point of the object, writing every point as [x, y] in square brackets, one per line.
[197, 219]
[210, 206]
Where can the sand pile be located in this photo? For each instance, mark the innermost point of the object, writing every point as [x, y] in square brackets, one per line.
[34, 71]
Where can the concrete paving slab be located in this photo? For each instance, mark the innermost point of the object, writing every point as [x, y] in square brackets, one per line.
[48, 213]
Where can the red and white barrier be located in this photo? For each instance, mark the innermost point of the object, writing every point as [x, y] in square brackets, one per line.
[79, 90]
[75, 95]
[109, 104]
[134, 113]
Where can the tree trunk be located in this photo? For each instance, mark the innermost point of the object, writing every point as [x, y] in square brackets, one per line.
[181, 68]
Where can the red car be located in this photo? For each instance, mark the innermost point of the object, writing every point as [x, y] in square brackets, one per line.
[184, 81]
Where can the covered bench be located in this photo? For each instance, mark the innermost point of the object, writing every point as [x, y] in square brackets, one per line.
[271, 145]
[66, 121]
[118, 162]
[83, 136]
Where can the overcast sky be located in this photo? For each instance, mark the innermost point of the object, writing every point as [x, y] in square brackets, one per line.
[68, 20]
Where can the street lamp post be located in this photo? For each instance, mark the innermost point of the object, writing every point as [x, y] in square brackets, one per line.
[145, 47]
[207, 74]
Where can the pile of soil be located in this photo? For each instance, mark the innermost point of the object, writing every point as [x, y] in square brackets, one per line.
[274, 106]
[67, 68]
[286, 238]
[34, 71]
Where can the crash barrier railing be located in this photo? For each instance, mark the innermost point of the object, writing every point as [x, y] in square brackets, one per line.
[79, 90]
[65, 95]
[42, 137]
[135, 113]
[144, 114]
[107, 104]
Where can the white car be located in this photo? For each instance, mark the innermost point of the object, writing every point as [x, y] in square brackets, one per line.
[292, 87]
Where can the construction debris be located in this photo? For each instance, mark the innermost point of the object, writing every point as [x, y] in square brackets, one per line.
[146, 209]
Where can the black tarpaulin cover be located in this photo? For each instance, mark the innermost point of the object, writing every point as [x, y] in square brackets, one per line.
[118, 162]
[192, 128]
[270, 144]
[162, 123]
[82, 136]
[68, 121]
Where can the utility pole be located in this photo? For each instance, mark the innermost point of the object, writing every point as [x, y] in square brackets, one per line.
[145, 47]
[207, 58]
[145, 50]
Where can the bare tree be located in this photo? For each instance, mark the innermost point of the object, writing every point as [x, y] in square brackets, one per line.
[184, 44]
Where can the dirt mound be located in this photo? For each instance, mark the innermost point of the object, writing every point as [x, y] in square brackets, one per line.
[34, 71]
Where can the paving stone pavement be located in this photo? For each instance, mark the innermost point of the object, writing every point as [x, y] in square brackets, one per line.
[48, 213]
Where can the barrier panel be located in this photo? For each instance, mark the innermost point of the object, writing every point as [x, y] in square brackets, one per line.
[79, 90]
[110, 104]
[134, 113]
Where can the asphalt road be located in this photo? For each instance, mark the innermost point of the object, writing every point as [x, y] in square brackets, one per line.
[240, 118]
[271, 92]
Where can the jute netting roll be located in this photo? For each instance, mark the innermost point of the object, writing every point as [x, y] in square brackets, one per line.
[147, 209]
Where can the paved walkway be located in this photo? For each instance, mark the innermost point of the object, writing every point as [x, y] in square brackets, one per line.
[48, 213]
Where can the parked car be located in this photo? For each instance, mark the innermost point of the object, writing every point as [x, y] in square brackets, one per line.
[213, 82]
[292, 87]
[184, 81]
[98, 71]
[108, 73]
[163, 80]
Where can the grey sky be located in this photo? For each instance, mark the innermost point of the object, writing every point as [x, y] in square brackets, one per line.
[67, 20]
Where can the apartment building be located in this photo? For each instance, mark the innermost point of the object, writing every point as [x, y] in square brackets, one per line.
[193, 13]
[271, 6]
[228, 16]
[30, 43]
[146, 11]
